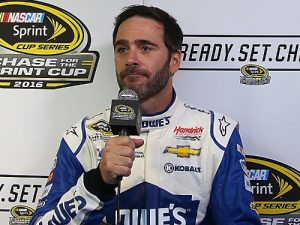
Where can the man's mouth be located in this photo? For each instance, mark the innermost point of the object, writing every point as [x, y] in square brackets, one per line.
[133, 71]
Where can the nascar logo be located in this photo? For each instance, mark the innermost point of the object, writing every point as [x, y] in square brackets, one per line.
[23, 17]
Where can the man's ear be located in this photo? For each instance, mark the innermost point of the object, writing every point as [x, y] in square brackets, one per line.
[175, 61]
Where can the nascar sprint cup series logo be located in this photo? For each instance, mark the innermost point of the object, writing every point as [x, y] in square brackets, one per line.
[276, 188]
[43, 46]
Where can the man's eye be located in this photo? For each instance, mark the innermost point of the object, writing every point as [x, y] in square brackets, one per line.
[121, 50]
[146, 48]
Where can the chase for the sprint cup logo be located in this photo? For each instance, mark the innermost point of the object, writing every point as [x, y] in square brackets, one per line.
[43, 47]
[276, 187]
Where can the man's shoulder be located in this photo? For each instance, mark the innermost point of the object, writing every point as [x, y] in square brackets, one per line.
[97, 122]
[196, 110]
[222, 127]
[86, 129]
[219, 125]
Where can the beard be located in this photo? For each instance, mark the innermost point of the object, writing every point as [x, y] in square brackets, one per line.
[149, 88]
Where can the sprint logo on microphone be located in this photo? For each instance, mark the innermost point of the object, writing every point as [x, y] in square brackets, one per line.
[52, 46]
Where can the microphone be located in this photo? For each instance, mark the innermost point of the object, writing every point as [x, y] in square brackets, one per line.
[125, 120]
[125, 115]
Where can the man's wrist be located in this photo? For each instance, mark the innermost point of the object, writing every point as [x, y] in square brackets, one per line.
[95, 184]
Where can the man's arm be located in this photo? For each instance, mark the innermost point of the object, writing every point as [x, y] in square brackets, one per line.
[65, 199]
[231, 198]
[76, 189]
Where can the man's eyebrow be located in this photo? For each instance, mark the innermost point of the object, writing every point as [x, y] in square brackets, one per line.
[144, 42]
[137, 42]
[121, 42]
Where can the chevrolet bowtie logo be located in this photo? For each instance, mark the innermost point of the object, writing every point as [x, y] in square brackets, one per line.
[182, 151]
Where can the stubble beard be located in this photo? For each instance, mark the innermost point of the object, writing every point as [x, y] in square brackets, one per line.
[152, 86]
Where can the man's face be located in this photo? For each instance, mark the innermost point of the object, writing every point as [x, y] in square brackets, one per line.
[141, 57]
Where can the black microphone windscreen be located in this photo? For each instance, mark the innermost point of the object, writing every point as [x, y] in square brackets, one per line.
[125, 116]
[128, 94]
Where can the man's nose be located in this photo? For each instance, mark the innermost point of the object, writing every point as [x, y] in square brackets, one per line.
[132, 58]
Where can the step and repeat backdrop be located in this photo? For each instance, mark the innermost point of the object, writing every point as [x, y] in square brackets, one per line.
[238, 58]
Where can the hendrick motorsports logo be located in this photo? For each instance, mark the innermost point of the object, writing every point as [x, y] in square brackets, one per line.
[52, 47]
[275, 185]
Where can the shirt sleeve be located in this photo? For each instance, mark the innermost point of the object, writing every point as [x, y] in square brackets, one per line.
[231, 199]
[65, 199]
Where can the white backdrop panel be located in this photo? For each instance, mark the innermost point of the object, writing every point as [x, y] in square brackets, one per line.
[268, 114]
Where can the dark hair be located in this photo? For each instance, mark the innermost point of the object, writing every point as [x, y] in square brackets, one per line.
[172, 32]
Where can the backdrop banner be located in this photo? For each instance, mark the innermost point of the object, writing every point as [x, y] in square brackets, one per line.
[57, 66]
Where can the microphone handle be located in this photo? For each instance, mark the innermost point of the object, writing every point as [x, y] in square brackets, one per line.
[123, 132]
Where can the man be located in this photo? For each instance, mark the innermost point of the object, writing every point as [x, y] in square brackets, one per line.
[186, 167]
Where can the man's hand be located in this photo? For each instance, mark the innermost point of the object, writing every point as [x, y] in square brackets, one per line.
[118, 157]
